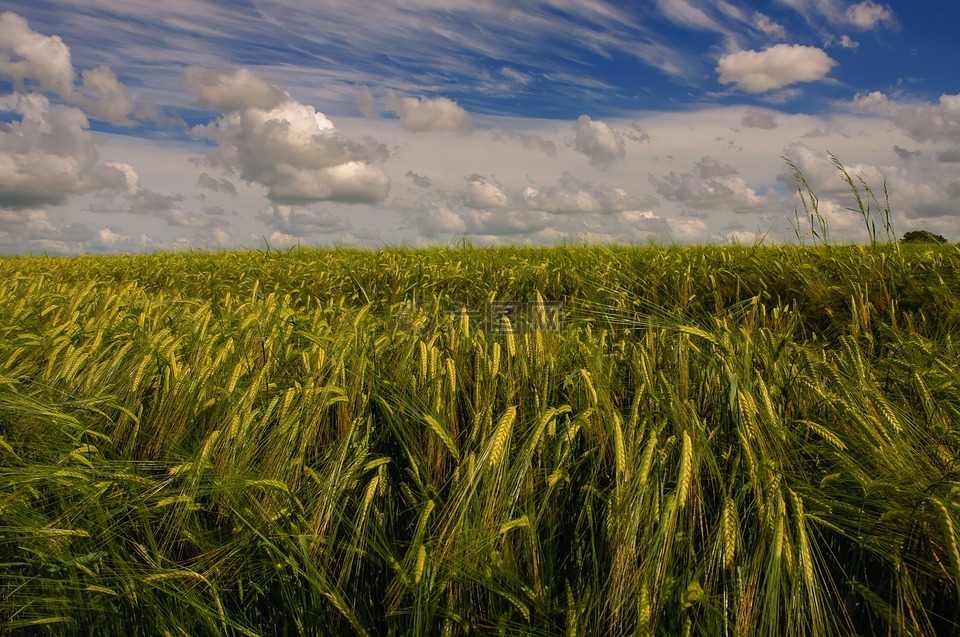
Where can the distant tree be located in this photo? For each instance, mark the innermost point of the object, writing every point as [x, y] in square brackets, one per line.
[922, 236]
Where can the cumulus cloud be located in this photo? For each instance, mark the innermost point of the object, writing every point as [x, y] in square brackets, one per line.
[775, 67]
[31, 60]
[49, 155]
[431, 219]
[574, 196]
[28, 58]
[231, 91]
[31, 230]
[600, 143]
[644, 224]
[486, 210]
[711, 168]
[923, 188]
[743, 237]
[875, 101]
[498, 223]
[107, 240]
[688, 230]
[868, 15]
[714, 185]
[286, 146]
[483, 194]
[932, 122]
[145, 201]
[129, 179]
[922, 121]
[846, 42]
[365, 102]
[421, 114]
[300, 221]
[111, 102]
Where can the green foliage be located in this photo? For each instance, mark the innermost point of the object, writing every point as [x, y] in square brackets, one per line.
[922, 236]
[739, 440]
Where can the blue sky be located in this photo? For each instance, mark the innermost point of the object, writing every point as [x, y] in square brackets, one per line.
[141, 126]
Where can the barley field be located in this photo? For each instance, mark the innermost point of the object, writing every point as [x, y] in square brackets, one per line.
[463, 441]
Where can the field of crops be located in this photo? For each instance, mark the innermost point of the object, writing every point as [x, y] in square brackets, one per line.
[657, 441]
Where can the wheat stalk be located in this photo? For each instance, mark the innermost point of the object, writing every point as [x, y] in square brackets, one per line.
[501, 436]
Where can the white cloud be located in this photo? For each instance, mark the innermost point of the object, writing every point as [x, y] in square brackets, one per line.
[743, 237]
[229, 92]
[282, 241]
[848, 43]
[684, 13]
[922, 121]
[421, 114]
[349, 182]
[365, 102]
[515, 76]
[773, 68]
[598, 142]
[433, 221]
[480, 193]
[28, 58]
[112, 102]
[31, 230]
[932, 122]
[875, 101]
[49, 155]
[300, 221]
[688, 230]
[868, 14]
[717, 186]
[289, 147]
[769, 26]
[131, 179]
[107, 240]
[574, 196]
[506, 223]
[710, 168]
[641, 225]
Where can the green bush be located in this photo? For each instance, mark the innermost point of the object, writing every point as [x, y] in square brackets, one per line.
[922, 236]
